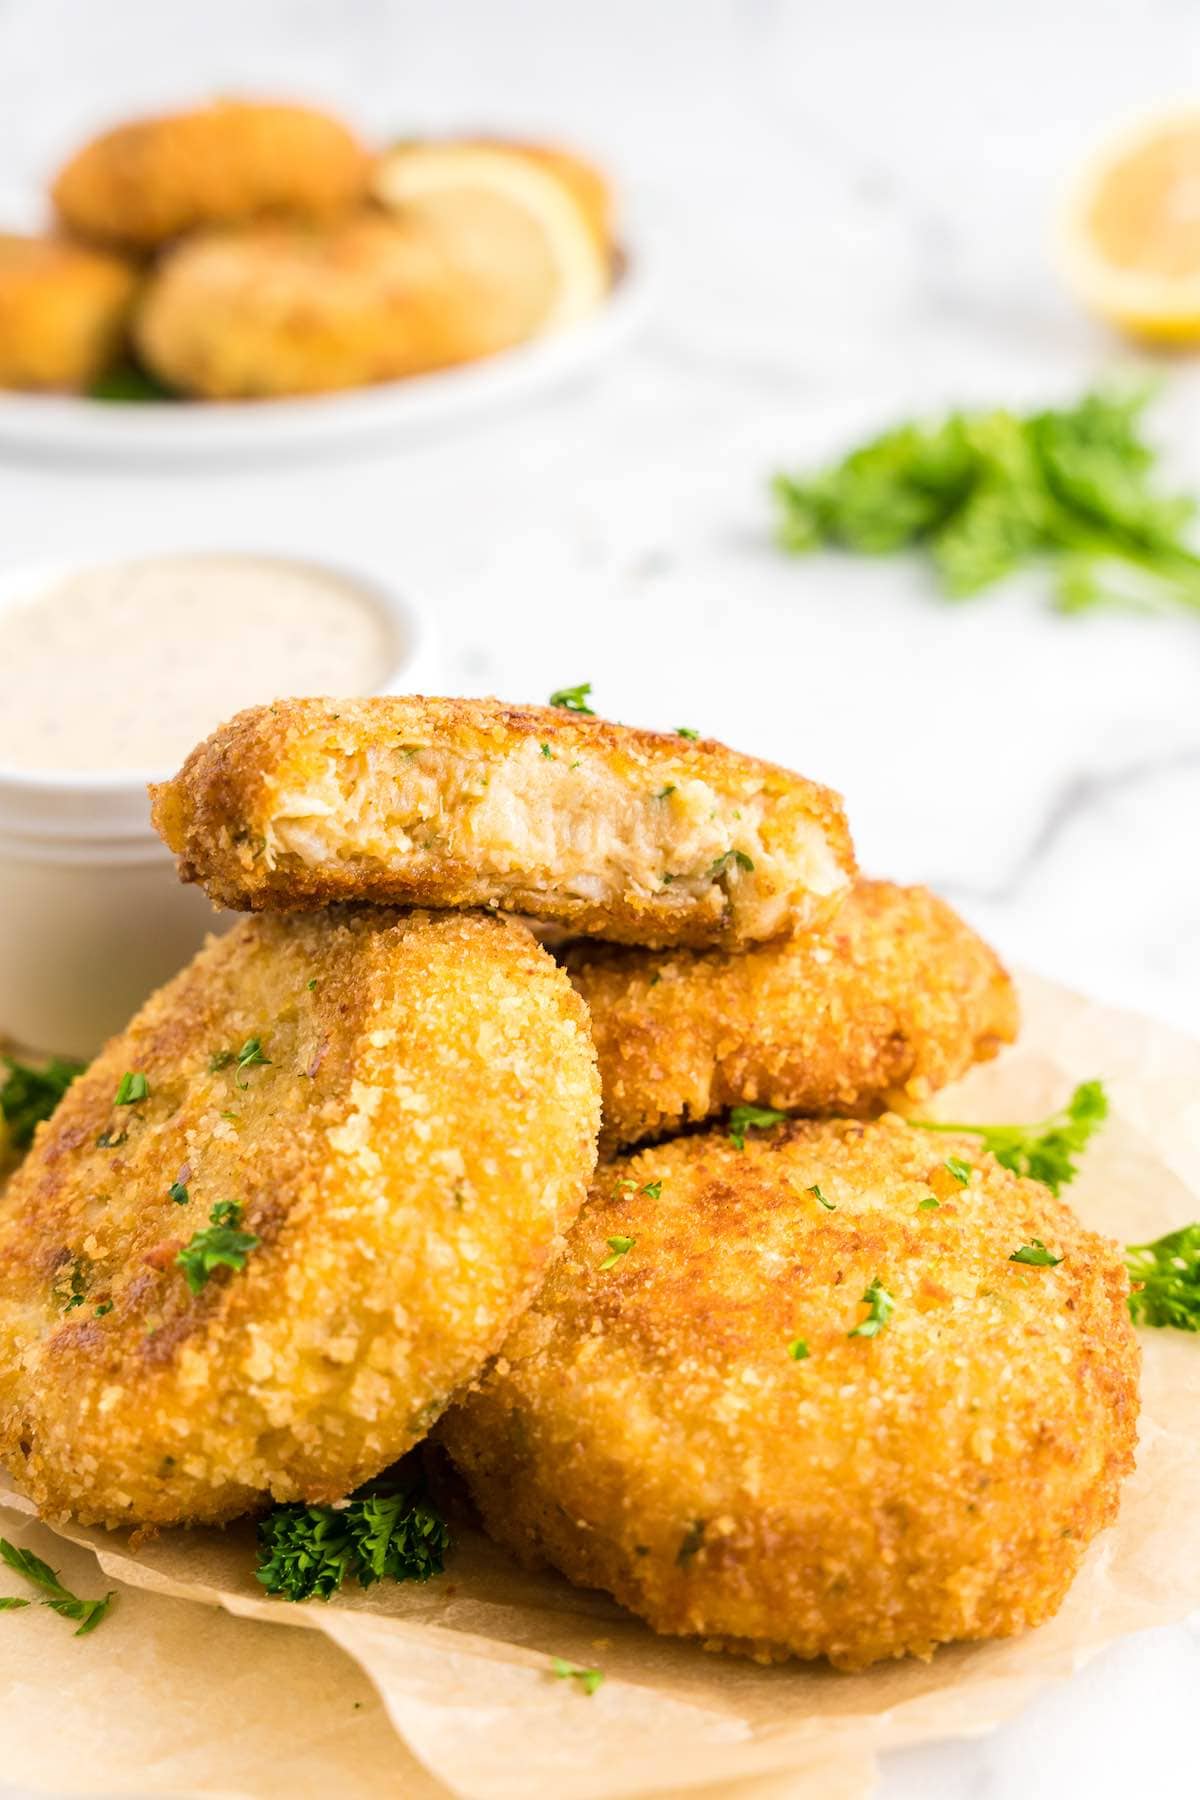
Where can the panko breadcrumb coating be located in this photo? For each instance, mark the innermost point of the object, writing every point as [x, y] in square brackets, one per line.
[277, 309]
[147, 181]
[693, 1417]
[892, 999]
[633, 835]
[63, 312]
[404, 1110]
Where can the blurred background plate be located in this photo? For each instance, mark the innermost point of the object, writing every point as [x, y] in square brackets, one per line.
[191, 430]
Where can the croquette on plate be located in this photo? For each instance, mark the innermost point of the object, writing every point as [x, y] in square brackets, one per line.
[892, 999]
[147, 181]
[287, 1212]
[64, 310]
[776, 1399]
[639, 836]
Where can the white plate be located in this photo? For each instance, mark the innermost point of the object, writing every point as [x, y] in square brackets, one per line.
[198, 430]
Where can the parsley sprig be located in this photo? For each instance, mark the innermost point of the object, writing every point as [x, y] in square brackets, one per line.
[307, 1551]
[29, 1095]
[588, 1680]
[985, 492]
[1048, 1150]
[573, 699]
[87, 1613]
[881, 1306]
[1167, 1276]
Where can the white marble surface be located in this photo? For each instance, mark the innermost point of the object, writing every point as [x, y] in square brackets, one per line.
[847, 208]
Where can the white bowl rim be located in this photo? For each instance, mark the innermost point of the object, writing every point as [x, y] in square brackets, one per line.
[396, 602]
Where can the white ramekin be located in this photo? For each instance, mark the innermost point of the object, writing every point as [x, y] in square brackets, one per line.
[92, 915]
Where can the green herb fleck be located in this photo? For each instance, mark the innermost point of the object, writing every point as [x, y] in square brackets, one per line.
[737, 857]
[665, 793]
[588, 1679]
[1035, 1255]
[652, 1189]
[220, 1059]
[104, 1307]
[882, 1307]
[818, 1196]
[960, 1170]
[220, 1245]
[311, 985]
[132, 1088]
[929, 1204]
[111, 1140]
[250, 1056]
[29, 1095]
[798, 1350]
[10, 1603]
[574, 699]
[1047, 1151]
[685, 731]
[751, 1118]
[87, 1613]
[178, 1193]
[310, 1551]
[617, 1248]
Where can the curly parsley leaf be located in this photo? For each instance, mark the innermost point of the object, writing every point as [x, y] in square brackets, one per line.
[1166, 1274]
[1035, 1255]
[987, 492]
[311, 1551]
[1047, 1151]
[751, 1118]
[29, 1095]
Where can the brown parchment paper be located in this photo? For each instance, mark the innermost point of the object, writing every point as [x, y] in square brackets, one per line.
[462, 1666]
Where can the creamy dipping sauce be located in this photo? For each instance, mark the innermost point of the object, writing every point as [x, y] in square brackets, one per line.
[125, 667]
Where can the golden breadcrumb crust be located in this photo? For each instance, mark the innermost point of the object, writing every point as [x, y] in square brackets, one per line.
[63, 312]
[651, 1428]
[414, 1135]
[147, 181]
[634, 835]
[892, 999]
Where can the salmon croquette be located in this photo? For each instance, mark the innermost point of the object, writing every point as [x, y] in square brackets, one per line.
[64, 310]
[287, 1213]
[892, 999]
[277, 309]
[145, 182]
[633, 835]
[814, 1397]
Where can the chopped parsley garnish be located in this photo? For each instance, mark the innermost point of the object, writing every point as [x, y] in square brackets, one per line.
[132, 1088]
[588, 1679]
[178, 1193]
[1167, 1276]
[111, 1140]
[311, 985]
[929, 1204]
[665, 793]
[652, 1189]
[547, 752]
[220, 1245]
[617, 1248]
[882, 1307]
[798, 1350]
[87, 1613]
[751, 1118]
[1048, 1150]
[574, 699]
[960, 1170]
[105, 1306]
[818, 1196]
[1035, 1255]
[307, 1551]
[685, 731]
[737, 857]
[251, 1056]
[29, 1095]
[985, 493]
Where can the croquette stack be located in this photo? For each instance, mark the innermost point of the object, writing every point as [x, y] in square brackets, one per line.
[776, 1380]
